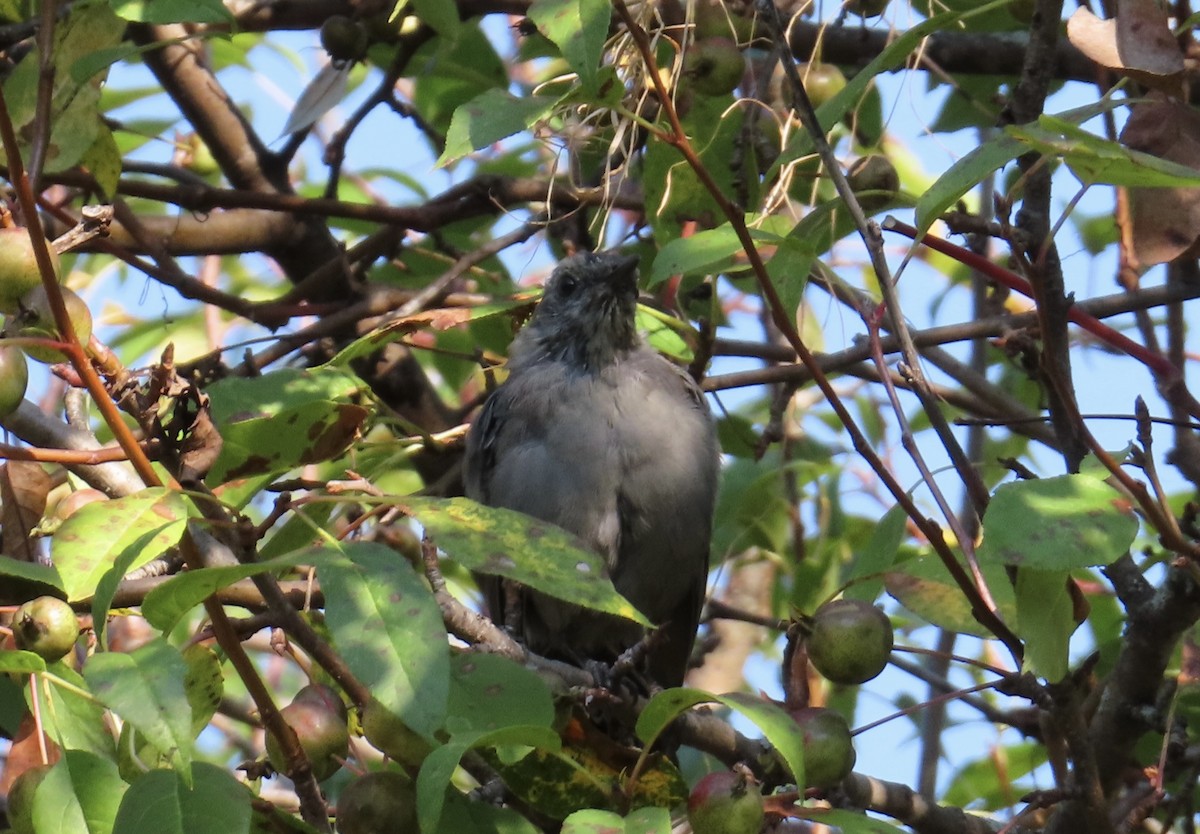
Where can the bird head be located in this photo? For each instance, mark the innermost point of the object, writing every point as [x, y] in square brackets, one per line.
[587, 311]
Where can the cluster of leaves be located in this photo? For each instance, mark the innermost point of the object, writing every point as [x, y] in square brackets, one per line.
[309, 488]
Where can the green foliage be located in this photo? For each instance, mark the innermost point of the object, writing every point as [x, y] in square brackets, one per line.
[402, 658]
[1060, 523]
[305, 416]
[552, 561]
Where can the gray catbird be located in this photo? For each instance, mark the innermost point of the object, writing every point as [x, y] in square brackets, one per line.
[598, 434]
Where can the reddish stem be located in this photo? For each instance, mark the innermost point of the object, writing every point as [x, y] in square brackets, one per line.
[1157, 363]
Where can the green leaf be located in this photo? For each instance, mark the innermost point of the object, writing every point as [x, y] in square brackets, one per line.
[924, 587]
[32, 571]
[777, 726]
[79, 795]
[301, 530]
[72, 718]
[878, 555]
[714, 250]
[674, 194]
[21, 663]
[451, 71]
[711, 250]
[964, 175]
[1094, 159]
[204, 684]
[662, 332]
[578, 28]
[92, 63]
[149, 544]
[166, 604]
[284, 419]
[789, 269]
[172, 11]
[461, 814]
[971, 103]
[847, 822]
[500, 542]
[984, 17]
[1060, 523]
[441, 16]
[162, 802]
[641, 821]
[488, 692]
[145, 688]
[129, 531]
[492, 115]
[751, 507]
[388, 629]
[1045, 621]
[440, 320]
[103, 161]
[990, 778]
[75, 113]
[648, 821]
[439, 767]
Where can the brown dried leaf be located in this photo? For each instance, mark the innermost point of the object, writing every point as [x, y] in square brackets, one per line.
[24, 486]
[1189, 662]
[447, 317]
[200, 448]
[1138, 42]
[1094, 37]
[1166, 221]
[25, 753]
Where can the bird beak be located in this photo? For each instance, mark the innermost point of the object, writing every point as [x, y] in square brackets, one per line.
[624, 271]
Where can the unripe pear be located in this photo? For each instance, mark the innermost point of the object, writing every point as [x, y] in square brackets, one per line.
[828, 749]
[714, 66]
[14, 378]
[36, 320]
[319, 722]
[851, 641]
[725, 803]
[47, 627]
[18, 267]
[867, 8]
[383, 802]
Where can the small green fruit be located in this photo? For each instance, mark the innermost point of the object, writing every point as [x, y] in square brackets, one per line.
[321, 730]
[828, 750]
[867, 8]
[18, 267]
[391, 736]
[874, 179]
[45, 626]
[821, 81]
[851, 641]
[725, 803]
[715, 19]
[322, 695]
[344, 39]
[14, 378]
[714, 66]
[383, 802]
[36, 320]
[75, 501]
